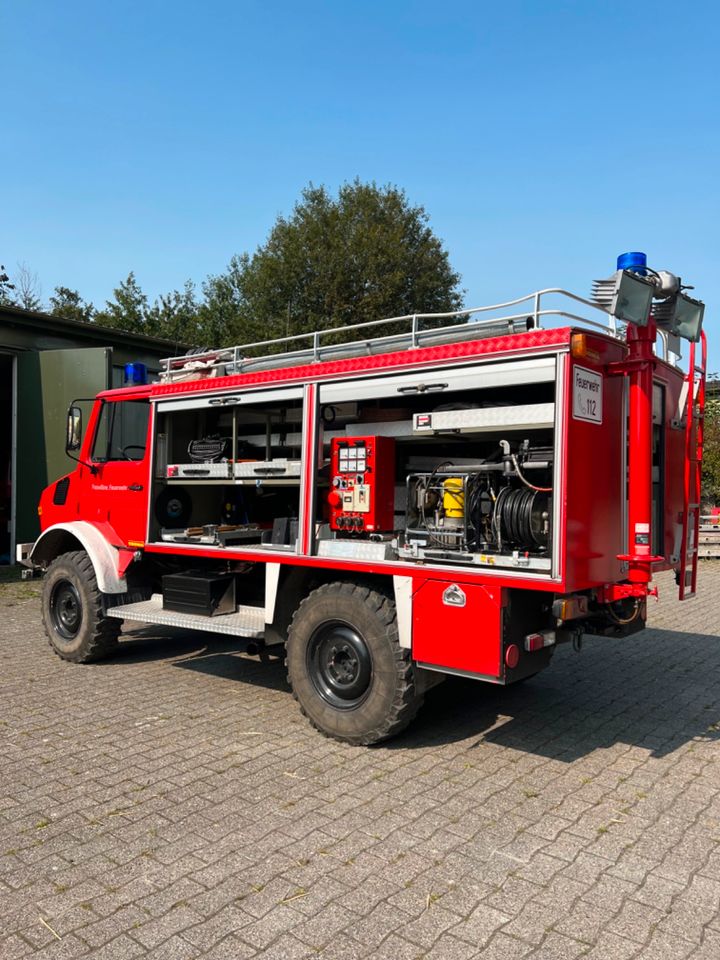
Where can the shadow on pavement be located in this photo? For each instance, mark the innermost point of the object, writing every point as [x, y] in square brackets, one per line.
[209, 653]
[656, 690]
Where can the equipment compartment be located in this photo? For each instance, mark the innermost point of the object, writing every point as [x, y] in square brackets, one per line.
[472, 467]
[226, 468]
[456, 471]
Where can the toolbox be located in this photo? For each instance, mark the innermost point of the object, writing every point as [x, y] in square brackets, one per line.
[200, 592]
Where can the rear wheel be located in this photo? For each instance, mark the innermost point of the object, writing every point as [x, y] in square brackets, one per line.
[73, 613]
[348, 672]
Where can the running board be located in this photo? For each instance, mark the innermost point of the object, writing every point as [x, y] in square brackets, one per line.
[245, 622]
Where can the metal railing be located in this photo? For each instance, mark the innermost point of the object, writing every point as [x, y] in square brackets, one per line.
[286, 350]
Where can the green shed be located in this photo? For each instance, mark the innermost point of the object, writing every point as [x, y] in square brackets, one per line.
[45, 363]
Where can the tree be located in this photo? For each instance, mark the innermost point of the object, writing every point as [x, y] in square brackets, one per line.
[224, 312]
[25, 292]
[174, 316]
[364, 255]
[69, 304]
[6, 287]
[28, 292]
[711, 442]
[128, 310]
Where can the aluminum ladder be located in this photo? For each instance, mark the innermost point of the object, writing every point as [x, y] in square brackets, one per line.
[694, 422]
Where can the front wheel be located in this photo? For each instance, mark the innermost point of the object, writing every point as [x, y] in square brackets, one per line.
[347, 670]
[72, 610]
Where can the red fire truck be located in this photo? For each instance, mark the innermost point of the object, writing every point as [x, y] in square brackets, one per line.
[392, 502]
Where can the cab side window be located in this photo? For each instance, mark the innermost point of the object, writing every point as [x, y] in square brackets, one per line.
[121, 431]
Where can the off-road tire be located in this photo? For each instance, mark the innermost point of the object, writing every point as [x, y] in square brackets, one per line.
[364, 622]
[72, 611]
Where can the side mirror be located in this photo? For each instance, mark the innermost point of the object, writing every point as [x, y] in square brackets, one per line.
[73, 437]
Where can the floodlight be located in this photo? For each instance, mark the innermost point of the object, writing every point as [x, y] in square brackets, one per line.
[626, 296]
[681, 315]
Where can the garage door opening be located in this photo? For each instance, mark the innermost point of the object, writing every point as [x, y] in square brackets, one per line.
[7, 457]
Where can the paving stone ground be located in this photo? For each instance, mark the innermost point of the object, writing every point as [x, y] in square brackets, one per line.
[172, 803]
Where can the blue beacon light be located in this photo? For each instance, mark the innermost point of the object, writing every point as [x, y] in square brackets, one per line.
[135, 374]
[635, 261]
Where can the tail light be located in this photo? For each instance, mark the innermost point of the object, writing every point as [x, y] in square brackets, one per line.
[537, 641]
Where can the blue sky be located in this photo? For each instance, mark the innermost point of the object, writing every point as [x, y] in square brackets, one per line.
[543, 138]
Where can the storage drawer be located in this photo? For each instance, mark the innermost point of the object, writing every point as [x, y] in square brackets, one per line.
[199, 471]
[267, 469]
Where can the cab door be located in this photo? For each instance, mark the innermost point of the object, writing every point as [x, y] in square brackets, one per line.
[120, 454]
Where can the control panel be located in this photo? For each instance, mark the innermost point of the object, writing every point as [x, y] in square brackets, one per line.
[362, 484]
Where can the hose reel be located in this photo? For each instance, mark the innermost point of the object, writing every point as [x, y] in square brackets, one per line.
[522, 517]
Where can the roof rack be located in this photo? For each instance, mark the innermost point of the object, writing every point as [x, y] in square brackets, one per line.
[422, 330]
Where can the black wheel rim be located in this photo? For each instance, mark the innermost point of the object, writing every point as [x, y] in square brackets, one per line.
[339, 665]
[66, 609]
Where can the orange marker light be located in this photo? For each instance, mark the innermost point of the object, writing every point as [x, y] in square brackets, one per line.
[578, 345]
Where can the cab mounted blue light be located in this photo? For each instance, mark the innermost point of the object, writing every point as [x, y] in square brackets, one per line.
[135, 374]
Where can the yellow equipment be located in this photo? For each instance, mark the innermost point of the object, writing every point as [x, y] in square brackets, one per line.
[454, 498]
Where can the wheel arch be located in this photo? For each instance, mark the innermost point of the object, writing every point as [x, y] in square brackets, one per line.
[292, 584]
[80, 535]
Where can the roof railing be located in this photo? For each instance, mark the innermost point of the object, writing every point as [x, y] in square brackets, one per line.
[422, 329]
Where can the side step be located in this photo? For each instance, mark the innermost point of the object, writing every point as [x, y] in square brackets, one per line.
[245, 622]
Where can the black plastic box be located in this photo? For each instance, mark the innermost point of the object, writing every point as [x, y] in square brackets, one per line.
[198, 592]
[284, 531]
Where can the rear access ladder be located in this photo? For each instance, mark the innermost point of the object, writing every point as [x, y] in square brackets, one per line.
[695, 380]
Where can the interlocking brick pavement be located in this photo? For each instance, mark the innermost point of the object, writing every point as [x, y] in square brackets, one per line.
[172, 803]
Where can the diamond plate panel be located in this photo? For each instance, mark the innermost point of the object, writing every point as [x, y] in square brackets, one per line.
[247, 622]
